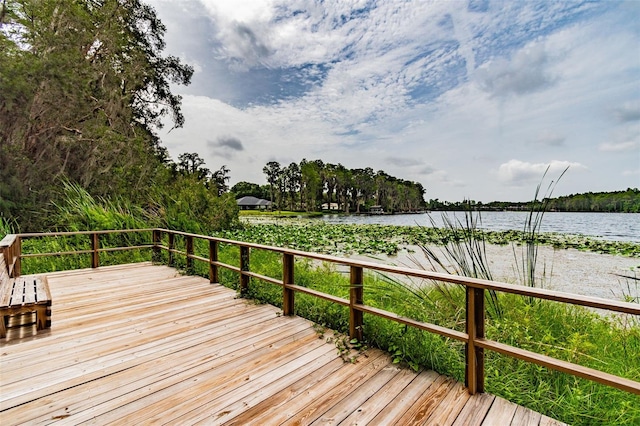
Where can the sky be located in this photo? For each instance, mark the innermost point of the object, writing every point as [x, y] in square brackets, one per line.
[473, 99]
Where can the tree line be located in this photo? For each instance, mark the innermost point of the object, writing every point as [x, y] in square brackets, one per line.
[310, 185]
[84, 87]
[627, 201]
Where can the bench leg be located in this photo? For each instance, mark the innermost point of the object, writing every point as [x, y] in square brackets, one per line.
[43, 317]
[47, 322]
[3, 327]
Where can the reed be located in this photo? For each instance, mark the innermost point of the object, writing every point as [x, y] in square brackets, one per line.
[527, 261]
[463, 253]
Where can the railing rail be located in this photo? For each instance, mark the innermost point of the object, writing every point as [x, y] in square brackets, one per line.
[474, 337]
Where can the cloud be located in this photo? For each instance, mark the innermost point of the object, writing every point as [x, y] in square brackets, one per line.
[478, 5]
[549, 138]
[225, 147]
[620, 146]
[403, 162]
[518, 172]
[384, 84]
[441, 177]
[624, 138]
[246, 46]
[428, 170]
[229, 142]
[526, 72]
[630, 111]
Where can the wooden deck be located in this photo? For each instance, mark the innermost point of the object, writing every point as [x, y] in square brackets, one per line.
[140, 344]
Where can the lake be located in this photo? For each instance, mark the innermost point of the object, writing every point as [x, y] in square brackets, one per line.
[607, 226]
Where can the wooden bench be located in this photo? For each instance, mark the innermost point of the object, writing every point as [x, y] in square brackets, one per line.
[22, 295]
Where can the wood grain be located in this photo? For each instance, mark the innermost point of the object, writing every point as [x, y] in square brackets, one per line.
[140, 344]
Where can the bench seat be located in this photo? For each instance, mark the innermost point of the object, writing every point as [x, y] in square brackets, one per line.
[25, 294]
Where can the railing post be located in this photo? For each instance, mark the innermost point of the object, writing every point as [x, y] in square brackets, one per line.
[95, 254]
[189, 249]
[474, 371]
[355, 297]
[157, 239]
[288, 295]
[244, 266]
[17, 267]
[213, 257]
[172, 245]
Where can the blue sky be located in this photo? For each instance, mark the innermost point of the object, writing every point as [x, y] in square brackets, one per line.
[474, 99]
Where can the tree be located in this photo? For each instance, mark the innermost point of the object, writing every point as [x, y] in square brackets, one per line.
[343, 183]
[292, 182]
[83, 88]
[242, 189]
[220, 179]
[273, 171]
[190, 163]
[310, 184]
[365, 186]
[330, 181]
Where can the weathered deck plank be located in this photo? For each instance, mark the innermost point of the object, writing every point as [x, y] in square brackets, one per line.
[140, 344]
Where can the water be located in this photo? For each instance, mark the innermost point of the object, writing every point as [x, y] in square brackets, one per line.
[607, 226]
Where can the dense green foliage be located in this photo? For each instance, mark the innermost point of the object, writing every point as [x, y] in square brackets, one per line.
[187, 205]
[611, 202]
[83, 89]
[311, 184]
[243, 188]
[619, 201]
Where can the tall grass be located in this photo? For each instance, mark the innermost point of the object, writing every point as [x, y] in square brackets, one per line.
[79, 211]
[463, 253]
[526, 264]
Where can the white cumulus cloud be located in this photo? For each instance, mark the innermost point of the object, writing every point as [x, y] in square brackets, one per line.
[521, 172]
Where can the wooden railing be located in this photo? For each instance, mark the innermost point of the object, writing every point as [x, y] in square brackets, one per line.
[474, 337]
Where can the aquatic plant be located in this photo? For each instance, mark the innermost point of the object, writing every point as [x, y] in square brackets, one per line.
[464, 253]
[527, 263]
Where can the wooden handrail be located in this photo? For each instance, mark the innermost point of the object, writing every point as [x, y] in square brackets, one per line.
[473, 338]
[539, 293]
[11, 246]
